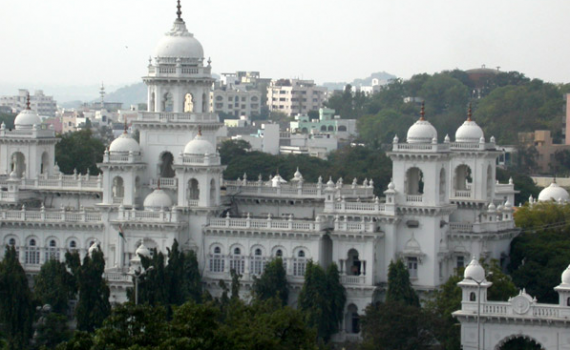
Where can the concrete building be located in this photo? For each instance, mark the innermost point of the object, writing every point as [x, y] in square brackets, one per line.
[236, 101]
[315, 144]
[44, 105]
[328, 123]
[546, 162]
[265, 140]
[294, 96]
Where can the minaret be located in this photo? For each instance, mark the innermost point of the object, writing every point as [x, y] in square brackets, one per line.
[102, 93]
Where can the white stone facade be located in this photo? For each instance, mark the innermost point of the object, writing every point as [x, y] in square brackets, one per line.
[442, 207]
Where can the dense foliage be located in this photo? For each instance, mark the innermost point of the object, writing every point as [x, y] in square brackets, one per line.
[272, 283]
[79, 150]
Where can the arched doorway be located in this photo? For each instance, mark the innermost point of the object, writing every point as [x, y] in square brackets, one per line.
[193, 190]
[442, 184]
[463, 178]
[414, 181]
[166, 161]
[213, 192]
[167, 102]
[353, 263]
[151, 107]
[205, 103]
[518, 342]
[18, 163]
[489, 182]
[118, 189]
[352, 319]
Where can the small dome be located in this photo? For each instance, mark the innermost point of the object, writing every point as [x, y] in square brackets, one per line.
[469, 132]
[391, 186]
[474, 271]
[157, 199]
[297, 176]
[179, 43]
[200, 146]
[124, 143]
[26, 119]
[277, 180]
[566, 276]
[142, 250]
[421, 132]
[553, 192]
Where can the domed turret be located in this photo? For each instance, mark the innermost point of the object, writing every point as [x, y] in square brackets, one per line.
[199, 146]
[474, 271]
[157, 199]
[179, 43]
[422, 131]
[93, 248]
[142, 250]
[297, 176]
[553, 192]
[125, 143]
[27, 118]
[469, 132]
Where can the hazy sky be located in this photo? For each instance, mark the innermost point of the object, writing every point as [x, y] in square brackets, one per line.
[71, 42]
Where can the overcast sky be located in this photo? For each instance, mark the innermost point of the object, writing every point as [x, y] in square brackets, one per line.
[71, 42]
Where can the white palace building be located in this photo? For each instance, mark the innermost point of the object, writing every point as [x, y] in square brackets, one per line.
[443, 207]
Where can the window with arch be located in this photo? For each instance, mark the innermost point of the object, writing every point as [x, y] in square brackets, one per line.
[18, 164]
[44, 165]
[152, 102]
[32, 255]
[489, 182]
[463, 179]
[204, 103]
[442, 185]
[257, 262]
[237, 261]
[165, 166]
[324, 128]
[353, 263]
[414, 181]
[216, 260]
[52, 252]
[299, 264]
[167, 102]
[188, 103]
[12, 242]
[472, 296]
[352, 319]
[193, 191]
[72, 244]
[342, 128]
[118, 189]
[331, 128]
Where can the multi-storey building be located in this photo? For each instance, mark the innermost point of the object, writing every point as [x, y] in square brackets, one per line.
[236, 101]
[44, 105]
[294, 96]
[442, 207]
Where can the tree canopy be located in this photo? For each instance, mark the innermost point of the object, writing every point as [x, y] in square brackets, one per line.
[79, 150]
[272, 283]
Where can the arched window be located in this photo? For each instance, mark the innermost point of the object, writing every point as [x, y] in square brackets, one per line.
[352, 319]
[12, 242]
[118, 190]
[217, 260]
[32, 255]
[299, 264]
[152, 102]
[167, 102]
[279, 253]
[44, 166]
[257, 262]
[166, 161]
[188, 103]
[462, 178]
[353, 264]
[489, 182]
[442, 185]
[472, 296]
[414, 181]
[213, 192]
[204, 103]
[237, 261]
[193, 192]
[52, 252]
[342, 128]
[18, 164]
[72, 244]
[331, 128]
[324, 128]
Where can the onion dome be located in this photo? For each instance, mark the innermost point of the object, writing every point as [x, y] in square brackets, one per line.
[178, 42]
[142, 250]
[469, 132]
[330, 183]
[566, 277]
[297, 176]
[553, 192]
[199, 146]
[27, 118]
[277, 180]
[422, 131]
[474, 271]
[391, 186]
[491, 208]
[157, 199]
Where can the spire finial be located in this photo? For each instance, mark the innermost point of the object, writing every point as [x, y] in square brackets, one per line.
[469, 113]
[179, 12]
[199, 130]
[158, 184]
[422, 112]
[126, 127]
[28, 101]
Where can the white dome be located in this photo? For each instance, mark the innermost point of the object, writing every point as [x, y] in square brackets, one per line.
[124, 143]
[566, 276]
[26, 119]
[277, 180]
[157, 199]
[142, 251]
[199, 145]
[421, 132]
[553, 192]
[179, 43]
[474, 271]
[469, 132]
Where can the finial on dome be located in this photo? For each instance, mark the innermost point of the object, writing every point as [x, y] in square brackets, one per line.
[199, 130]
[179, 12]
[126, 127]
[158, 184]
[422, 112]
[469, 113]
[554, 179]
[28, 102]
[209, 61]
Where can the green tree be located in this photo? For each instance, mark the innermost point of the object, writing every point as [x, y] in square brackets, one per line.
[93, 305]
[272, 283]
[8, 120]
[446, 301]
[55, 286]
[51, 330]
[231, 149]
[79, 150]
[322, 299]
[399, 285]
[16, 305]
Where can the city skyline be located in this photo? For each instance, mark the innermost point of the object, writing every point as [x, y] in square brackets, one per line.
[64, 42]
